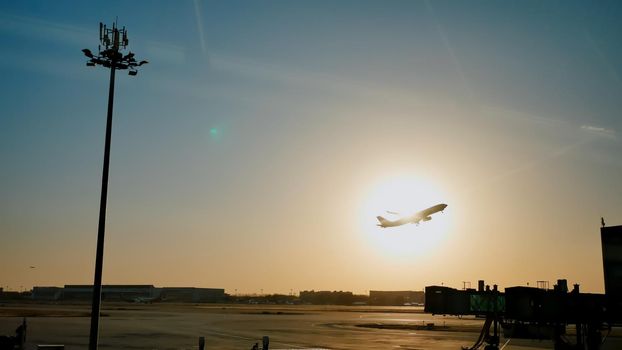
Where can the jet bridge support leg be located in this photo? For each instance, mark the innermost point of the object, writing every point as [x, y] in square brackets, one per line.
[491, 341]
[492, 319]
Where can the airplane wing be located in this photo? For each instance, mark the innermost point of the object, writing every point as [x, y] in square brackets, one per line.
[393, 212]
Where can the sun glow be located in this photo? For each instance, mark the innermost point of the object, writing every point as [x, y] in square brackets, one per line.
[404, 195]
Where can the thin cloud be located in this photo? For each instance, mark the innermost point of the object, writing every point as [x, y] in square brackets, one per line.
[50, 31]
[199, 20]
[447, 44]
[71, 36]
[598, 130]
[551, 122]
[295, 76]
[559, 126]
[544, 121]
[542, 160]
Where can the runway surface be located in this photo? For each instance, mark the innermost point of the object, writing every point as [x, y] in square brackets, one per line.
[178, 326]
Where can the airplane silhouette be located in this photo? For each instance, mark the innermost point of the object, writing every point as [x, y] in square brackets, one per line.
[417, 217]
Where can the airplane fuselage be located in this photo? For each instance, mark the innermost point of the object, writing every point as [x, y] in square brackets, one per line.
[423, 215]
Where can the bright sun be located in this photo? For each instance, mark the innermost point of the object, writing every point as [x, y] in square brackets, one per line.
[405, 195]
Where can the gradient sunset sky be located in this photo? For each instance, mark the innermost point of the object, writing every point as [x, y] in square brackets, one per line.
[257, 147]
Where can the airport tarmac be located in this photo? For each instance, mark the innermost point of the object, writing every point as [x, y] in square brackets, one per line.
[178, 326]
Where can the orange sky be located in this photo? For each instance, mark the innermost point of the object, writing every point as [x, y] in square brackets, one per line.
[255, 150]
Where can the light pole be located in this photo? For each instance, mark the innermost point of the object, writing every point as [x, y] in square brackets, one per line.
[113, 40]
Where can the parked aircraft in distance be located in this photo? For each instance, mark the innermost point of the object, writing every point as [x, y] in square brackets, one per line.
[423, 215]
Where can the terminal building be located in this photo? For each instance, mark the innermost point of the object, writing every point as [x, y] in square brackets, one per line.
[193, 295]
[325, 297]
[47, 293]
[132, 292]
[110, 292]
[396, 298]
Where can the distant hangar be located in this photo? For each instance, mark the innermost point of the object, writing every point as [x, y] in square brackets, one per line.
[130, 292]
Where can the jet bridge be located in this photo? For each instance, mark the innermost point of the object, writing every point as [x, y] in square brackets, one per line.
[542, 313]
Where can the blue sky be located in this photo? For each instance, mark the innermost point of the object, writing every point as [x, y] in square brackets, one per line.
[511, 108]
